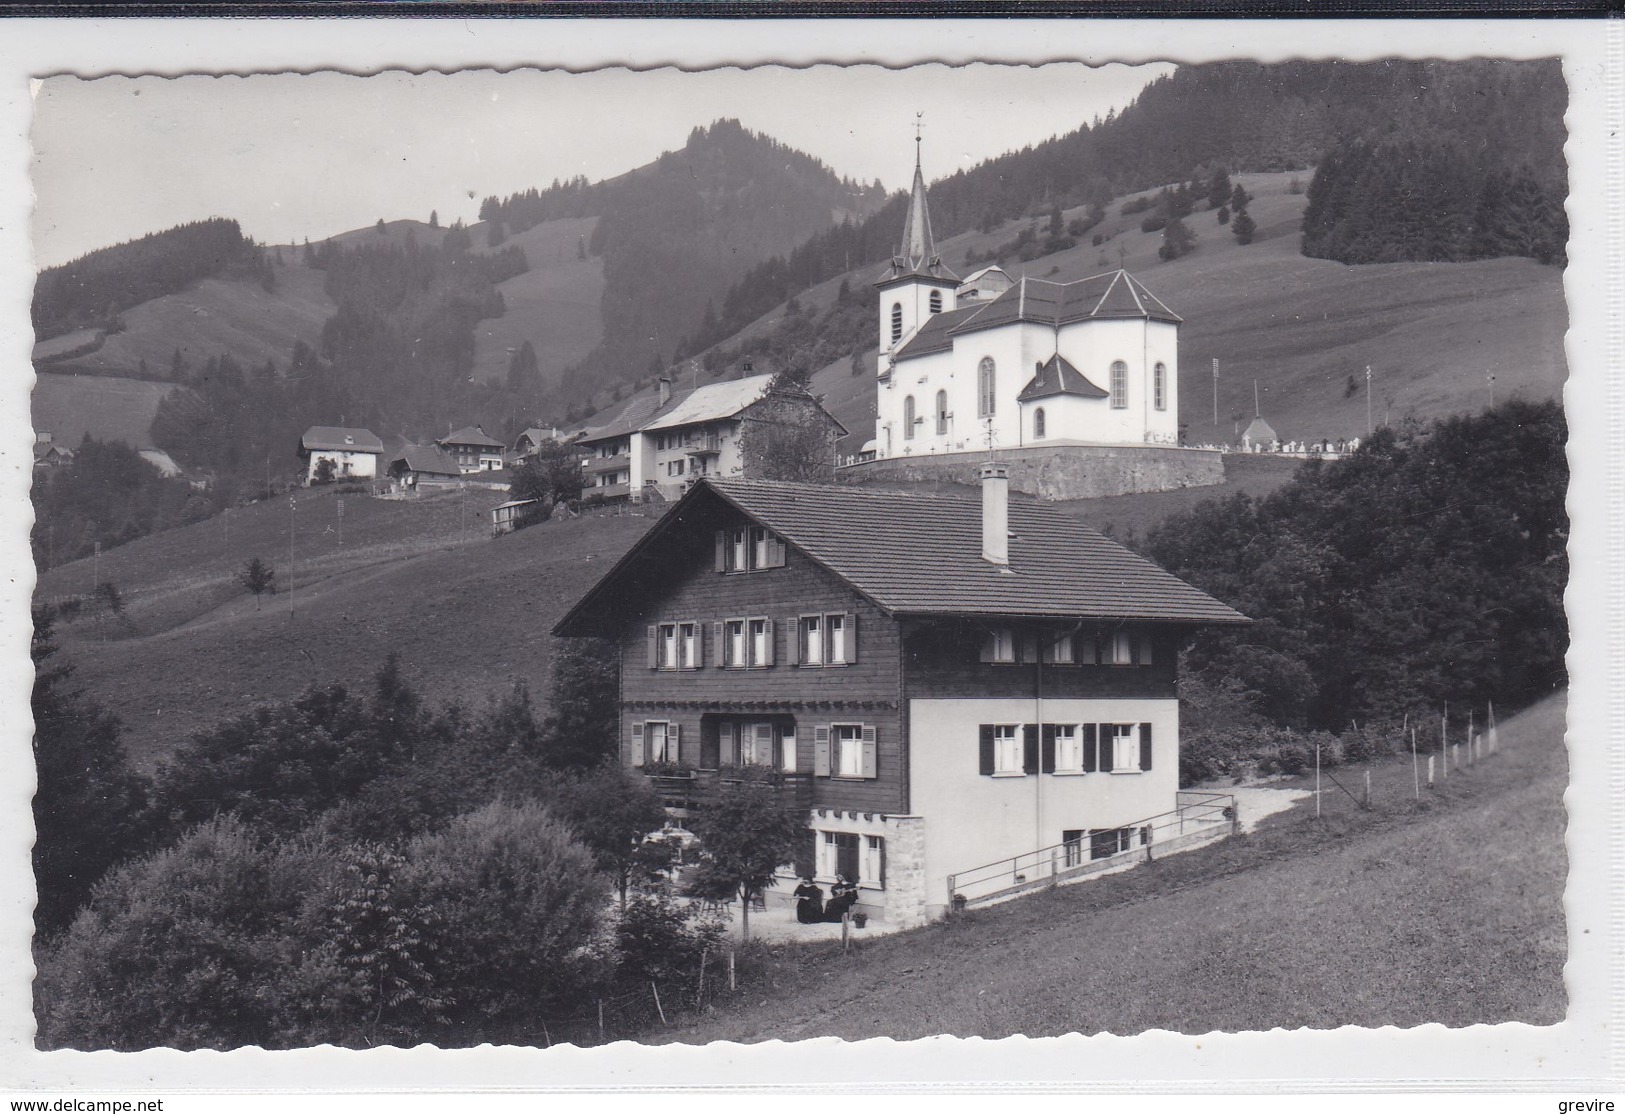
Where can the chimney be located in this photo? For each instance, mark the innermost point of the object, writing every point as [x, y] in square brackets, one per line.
[995, 514]
[665, 390]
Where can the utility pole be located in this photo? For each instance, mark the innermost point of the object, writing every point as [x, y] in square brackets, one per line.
[1368, 426]
[290, 555]
[1215, 392]
[1490, 375]
[1257, 413]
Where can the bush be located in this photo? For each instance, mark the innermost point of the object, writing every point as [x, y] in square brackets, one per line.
[1154, 223]
[658, 940]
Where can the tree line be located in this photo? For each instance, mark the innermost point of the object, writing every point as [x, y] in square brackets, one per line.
[96, 288]
[1425, 569]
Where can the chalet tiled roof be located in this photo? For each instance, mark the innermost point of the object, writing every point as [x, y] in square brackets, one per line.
[1058, 377]
[1114, 294]
[632, 417]
[340, 438]
[430, 459]
[710, 402]
[471, 435]
[921, 554]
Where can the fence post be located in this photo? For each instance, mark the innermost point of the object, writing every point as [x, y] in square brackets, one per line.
[732, 985]
[1367, 801]
[600, 1021]
[699, 995]
[1317, 781]
[1415, 774]
[658, 1008]
[1430, 771]
[846, 926]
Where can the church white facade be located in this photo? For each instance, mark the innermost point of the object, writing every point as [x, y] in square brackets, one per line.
[1024, 361]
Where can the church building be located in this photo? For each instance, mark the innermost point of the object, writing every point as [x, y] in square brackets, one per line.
[1001, 363]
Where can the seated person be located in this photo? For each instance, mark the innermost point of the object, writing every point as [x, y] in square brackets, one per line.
[809, 902]
[842, 896]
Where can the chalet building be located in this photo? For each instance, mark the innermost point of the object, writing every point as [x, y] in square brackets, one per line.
[936, 683]
[422, 466]
[530, 441]
[661, 444]
[991, 361]
[473, 449]
[353, 453]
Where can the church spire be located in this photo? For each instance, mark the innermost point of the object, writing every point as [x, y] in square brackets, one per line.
[918, 253]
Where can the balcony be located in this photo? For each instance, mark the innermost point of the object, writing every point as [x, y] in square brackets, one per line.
[606, 491]
[618, 462]
[708, 445]
[685, 791]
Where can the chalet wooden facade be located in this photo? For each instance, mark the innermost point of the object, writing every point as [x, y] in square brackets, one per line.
[936, 682]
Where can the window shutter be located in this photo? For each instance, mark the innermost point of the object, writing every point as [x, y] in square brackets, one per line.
[1046, 742]
[1029, 647]
[986, 748]
[1142, 648]
[769, 637]
[637, 744]
[722, 551]
[654, 646]
[792, 641]
[882, 864]
[675, 737]
[821, 750]
[989, 644]
[1091, 748]
[1145, 746]
[775, 551]
[1029, 748]
[851, 637]
[1108, 743]
[719, 642]
[870, 748]
[699, 644]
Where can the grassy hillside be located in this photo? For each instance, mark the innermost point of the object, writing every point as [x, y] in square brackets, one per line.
[554, 305]
[467, 614]
[106, 407]
[1446, 910]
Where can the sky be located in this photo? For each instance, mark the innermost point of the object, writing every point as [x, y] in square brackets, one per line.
[292, 156]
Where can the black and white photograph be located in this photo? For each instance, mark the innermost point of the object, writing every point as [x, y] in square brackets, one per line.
[610, 550]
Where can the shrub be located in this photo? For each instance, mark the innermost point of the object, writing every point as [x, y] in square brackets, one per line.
[658, 940]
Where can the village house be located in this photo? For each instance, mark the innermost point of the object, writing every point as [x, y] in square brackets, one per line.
[352, 453]
[660, 444]
[935, 683]
[530, 441]
[995, 362]
[421, 466]
[473, 449]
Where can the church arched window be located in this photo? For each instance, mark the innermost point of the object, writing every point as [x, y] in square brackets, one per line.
[1038, 424]
[985, 384]
[896, 322]
[936, 301]
[1159, 386]
[908, 418]
[1119, 385]
[942, 413]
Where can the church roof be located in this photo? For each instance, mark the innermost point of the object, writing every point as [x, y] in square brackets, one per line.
[917, 256]
[1113, 294]
[936, 334]
[1056, 376]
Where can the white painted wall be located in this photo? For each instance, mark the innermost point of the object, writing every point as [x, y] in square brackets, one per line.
[915, 298]
[972, 819]
[361, 466]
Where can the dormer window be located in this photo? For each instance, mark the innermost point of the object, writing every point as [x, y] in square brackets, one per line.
[748, 548]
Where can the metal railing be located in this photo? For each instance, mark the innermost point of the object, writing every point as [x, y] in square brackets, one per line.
[1199, 818]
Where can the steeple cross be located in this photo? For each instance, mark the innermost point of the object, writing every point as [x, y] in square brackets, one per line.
[919, 125]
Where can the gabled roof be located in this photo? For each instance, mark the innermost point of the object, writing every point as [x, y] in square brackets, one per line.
[1058, 377]
[1259, 432]
[535, 435]
[631, 418]
[1111, 295]
[918, 554]
[427, 458]
[710, 403]
[471, 435]
[936, 335]
[340, 438]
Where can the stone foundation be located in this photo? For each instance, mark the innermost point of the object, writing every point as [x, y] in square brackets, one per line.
[905, 871]
[1058, 470]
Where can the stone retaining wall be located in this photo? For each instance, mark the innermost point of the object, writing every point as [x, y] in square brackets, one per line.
[1057, 471]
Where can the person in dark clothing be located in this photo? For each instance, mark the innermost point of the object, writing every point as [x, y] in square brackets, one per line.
[842, 896]
[809, 902]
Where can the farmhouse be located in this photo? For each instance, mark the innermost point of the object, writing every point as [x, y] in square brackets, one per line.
[936, 683]
[420, 466]
[473, 449]
[660, 445]
[991, 361]
[352, 453]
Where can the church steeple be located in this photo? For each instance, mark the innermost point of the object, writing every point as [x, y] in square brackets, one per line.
[918, 253]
